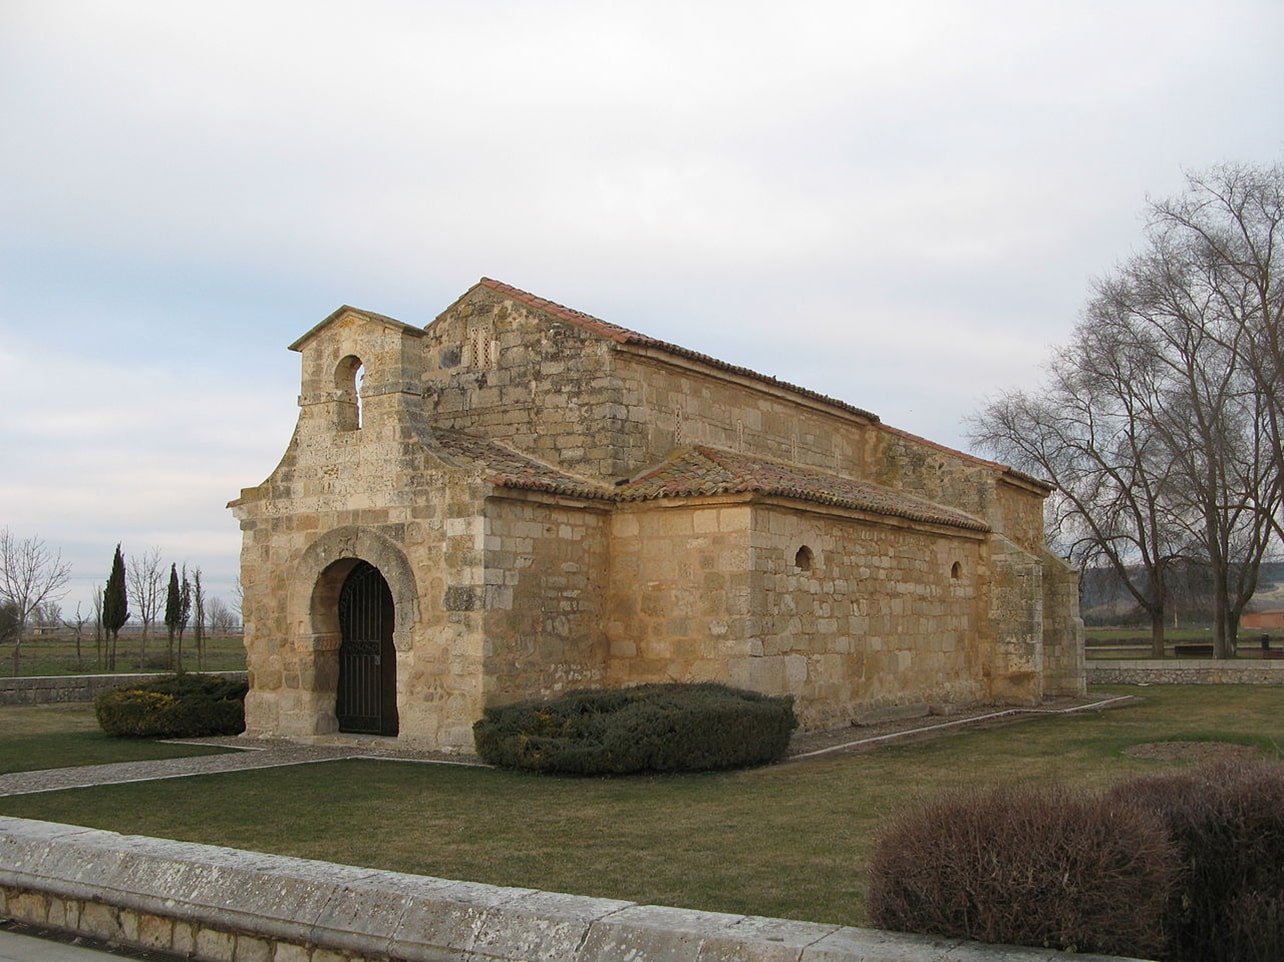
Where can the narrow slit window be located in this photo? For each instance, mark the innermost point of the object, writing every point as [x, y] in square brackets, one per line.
[803, 559]
[956, 571]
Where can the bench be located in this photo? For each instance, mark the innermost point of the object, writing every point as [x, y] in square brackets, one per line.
[1198, 650]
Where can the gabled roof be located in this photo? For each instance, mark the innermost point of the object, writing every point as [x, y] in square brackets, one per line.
[622, 335]
[369, 315]
[702, 471]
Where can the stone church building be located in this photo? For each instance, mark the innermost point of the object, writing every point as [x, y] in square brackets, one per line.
[521, 499]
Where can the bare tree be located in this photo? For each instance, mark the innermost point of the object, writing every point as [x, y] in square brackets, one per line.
[1086, 431]
[76, 626]
[222, 618]
[198, 617]
[97, 601]
[1160, 423]
[30, 576]
[146, 576]
[1196, 315]
[1229, 224]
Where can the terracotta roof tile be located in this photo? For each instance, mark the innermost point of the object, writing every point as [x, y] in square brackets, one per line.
[505, 467]
[702, 471]
[622, 335]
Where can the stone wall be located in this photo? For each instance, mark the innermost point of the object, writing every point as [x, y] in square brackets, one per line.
[1014, 666]
[674, 404]
[59, 689]
[369, 489]
[546, 570]
[680, 598]
[496, 369]
[222, 905]
[1062, 629]
[1188, 671]
[876, 615]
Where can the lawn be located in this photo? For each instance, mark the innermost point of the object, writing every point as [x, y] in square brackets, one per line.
[33, 737]
[789, 840]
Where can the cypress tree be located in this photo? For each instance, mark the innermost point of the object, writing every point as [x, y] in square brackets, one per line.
[115, 605]
[173, 606]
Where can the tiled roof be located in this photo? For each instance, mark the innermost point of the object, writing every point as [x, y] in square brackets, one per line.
[506, 468]
[697, 471]
[622, 335]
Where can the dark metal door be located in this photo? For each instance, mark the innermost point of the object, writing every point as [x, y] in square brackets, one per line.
[367, 699]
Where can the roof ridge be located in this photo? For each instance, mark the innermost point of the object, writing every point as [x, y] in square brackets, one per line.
[623, 335]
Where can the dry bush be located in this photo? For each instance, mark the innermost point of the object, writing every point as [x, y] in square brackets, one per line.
[1227, 821]
[1044, 867]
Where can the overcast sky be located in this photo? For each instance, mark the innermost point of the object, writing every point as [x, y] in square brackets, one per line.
[898, 204]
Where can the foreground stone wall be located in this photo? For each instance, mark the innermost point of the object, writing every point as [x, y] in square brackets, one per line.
[224, 905]
[1188, 671]
[58, 689]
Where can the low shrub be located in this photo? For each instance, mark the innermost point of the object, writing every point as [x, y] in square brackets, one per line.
[1227, 821]
[181, 706]
[650, 728]
[1037, 866]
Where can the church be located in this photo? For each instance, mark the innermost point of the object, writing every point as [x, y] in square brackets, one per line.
[520, 499]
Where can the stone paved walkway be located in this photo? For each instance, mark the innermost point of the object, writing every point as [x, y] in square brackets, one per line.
[274, 753]
[259, 753]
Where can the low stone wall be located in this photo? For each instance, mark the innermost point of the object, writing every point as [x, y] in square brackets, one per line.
[1188, 671]
[54, 689]
[224, 905]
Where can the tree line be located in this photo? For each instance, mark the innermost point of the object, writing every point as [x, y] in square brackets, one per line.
[34, 579]
[1162, 421]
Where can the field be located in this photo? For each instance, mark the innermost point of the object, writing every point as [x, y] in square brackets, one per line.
[787, 840]
[1134, 642]
[57, 655]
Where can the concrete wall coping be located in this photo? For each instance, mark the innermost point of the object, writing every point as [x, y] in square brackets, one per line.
[50, 689]
[1204, 664]
[368, 913]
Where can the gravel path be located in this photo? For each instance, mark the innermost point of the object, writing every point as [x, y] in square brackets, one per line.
[273, 753]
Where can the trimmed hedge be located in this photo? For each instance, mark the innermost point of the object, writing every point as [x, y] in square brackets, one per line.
[1227, 821]
[1044, 867]
[181, 706]
[650, 728]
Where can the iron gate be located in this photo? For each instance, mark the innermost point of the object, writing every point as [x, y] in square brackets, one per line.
[366, 700]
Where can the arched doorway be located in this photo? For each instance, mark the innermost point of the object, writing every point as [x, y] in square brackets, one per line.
[366, 700]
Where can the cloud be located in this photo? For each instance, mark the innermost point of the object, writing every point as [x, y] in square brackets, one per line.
[901, 205]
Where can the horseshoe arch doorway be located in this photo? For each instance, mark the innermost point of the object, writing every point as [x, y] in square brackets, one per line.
[366, 699]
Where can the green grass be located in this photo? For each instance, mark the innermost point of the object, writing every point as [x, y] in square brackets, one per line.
[789, 840]
[49, 655]
[33, 737]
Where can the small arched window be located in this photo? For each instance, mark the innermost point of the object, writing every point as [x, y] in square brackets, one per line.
[956, 571]
[803, 559]
[347, 381]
